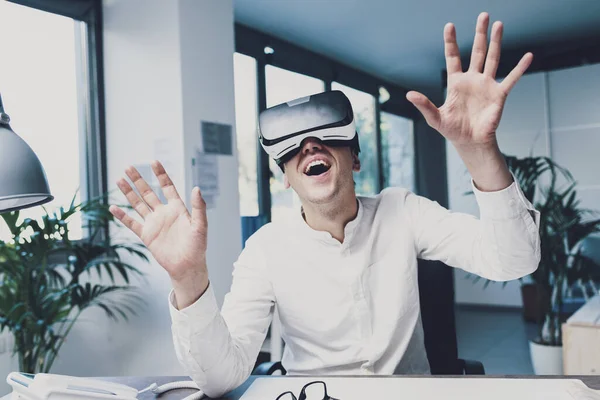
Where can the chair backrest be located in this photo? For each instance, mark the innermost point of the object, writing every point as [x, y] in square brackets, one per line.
[436, 294]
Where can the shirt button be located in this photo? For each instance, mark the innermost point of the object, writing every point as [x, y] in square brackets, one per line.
[511, 202]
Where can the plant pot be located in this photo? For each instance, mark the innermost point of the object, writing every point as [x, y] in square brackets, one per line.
[546, 359]
[535, 300]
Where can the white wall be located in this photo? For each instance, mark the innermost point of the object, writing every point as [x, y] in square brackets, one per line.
[575, 116]
[554, 114]
[168, 65]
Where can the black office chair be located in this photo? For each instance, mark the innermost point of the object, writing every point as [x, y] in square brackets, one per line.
[436, 295]
[436, 292]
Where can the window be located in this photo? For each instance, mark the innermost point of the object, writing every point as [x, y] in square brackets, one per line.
[281, 86]
[398, 151]
[246, 121]
[40, 82]
[363, 105]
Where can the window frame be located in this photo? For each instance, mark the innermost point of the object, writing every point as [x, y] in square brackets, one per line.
[90, 64]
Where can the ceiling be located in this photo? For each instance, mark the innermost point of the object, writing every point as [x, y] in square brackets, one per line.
[401, 40]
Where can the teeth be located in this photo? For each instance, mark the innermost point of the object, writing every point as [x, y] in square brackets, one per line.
[313, 163]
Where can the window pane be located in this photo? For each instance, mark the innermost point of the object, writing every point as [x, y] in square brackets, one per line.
[397, 146]
[282, 86]
[38, 81]
[363, 105]
[246, 110]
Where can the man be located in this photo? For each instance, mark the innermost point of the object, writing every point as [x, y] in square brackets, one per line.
[343, 274]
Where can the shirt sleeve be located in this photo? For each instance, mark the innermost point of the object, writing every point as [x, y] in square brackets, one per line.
[502, 244]
[219, 349]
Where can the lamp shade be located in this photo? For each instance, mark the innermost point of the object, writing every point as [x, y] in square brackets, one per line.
[23, 181]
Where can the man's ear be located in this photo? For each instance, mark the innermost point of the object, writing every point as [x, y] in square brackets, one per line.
[355, 162]
[286, 183]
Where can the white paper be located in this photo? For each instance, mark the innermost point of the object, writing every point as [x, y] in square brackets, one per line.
[205, 175]
[379, 388]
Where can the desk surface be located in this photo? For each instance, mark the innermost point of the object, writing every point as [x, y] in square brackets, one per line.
[143, 382]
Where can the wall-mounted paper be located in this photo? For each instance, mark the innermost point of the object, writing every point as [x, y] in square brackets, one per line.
[205, 175]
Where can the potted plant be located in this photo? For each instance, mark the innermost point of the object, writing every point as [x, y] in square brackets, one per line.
[564, 227]
[563, 231]
[48, 280]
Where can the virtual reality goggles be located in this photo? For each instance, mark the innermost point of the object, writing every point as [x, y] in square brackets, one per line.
[327, 116]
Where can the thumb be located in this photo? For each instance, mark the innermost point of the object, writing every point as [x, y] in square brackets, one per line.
[426, 107]
[199, 222]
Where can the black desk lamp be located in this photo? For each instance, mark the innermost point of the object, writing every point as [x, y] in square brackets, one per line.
[23, 181]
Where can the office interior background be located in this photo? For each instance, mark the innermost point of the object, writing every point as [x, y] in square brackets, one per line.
[95, 86]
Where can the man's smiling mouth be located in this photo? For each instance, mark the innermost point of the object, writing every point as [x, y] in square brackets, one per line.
[316, 168]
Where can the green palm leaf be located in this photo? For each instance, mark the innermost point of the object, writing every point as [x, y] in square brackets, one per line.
[45, 280]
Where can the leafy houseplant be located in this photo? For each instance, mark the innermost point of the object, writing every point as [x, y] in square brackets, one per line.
[48, 280]
[529, 173]
[565, 228]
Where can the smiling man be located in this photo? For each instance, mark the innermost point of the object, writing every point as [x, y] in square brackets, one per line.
[343, 272]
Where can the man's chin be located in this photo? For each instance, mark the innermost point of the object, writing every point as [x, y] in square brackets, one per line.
[322, 195]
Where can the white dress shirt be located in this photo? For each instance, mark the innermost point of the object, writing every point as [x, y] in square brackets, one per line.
[351, 307]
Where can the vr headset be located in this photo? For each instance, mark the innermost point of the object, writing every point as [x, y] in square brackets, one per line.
[327, 116]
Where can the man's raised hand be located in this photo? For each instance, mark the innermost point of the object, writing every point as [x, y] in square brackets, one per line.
[474, 101]
[176, 239]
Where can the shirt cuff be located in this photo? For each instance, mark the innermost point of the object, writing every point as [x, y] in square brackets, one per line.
[507, 203]
[197, 316]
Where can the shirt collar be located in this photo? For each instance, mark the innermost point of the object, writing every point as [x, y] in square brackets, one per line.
[323, 235]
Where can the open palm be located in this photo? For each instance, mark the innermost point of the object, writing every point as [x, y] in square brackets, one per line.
[475, 100]
[176, 239]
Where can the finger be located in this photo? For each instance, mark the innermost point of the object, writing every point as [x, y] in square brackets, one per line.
[480, 43]
[129, 222]
[493, 56]
[510, 81]
[142, 186]
[199, 221]
[426, 107]
[133, 199]
[451, 51]
[166, 184]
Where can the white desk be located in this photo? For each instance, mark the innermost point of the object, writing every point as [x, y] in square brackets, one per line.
[142, 382]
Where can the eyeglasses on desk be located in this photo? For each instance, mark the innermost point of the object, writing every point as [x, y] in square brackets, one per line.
[316, 390]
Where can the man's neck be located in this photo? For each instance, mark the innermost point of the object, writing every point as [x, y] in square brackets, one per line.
[332, 217]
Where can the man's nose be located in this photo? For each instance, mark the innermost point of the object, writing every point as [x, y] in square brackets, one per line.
[311, 144]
